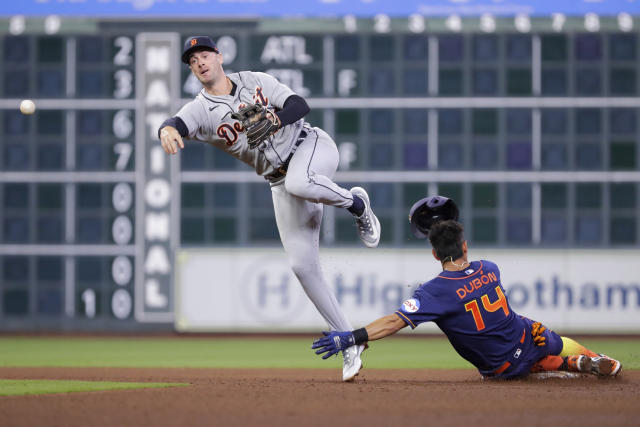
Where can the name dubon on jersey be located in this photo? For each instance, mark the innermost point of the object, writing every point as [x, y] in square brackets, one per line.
[208, 119]
[471, 308]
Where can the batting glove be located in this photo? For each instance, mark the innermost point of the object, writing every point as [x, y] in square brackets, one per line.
[333, 342]
[536, 332]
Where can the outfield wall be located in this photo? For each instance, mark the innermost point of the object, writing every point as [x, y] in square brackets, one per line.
[585, 291]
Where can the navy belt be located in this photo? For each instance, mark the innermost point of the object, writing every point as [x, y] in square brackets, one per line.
[282, 170]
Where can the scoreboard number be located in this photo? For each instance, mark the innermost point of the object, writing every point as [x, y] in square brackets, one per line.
[52, 24]
[122, 270]
[123, 152]
[17, 25]
[625, 22]
[557, 21]
[89, 300]
[381, 23]
[122, 124]
[123, 55]
[122, 197]
[350, 24]
[416, 23]
[122, 230]
[124, 84]
[487, 23]
[591, 22]
[522, 23]
[453, 23]
[121, 304]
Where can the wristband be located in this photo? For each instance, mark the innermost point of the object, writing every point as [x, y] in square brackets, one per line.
[360, 336]
[177, 123]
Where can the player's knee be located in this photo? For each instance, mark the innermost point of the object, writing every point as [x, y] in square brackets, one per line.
[299, 267]
[299, 187]
[304, 270]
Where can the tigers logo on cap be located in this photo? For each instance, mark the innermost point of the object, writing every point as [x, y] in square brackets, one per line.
[195, 43]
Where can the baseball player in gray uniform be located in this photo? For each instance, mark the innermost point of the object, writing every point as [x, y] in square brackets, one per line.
[259, 121]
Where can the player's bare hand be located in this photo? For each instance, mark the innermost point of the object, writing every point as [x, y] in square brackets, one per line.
[170, 139]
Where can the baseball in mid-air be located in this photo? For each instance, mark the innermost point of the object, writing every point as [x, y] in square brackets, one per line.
[27, 106]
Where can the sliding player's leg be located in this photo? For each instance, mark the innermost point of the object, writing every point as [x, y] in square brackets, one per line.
[574, 357]
[600, 363]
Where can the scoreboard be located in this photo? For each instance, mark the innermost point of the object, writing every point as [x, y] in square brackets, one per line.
[530, 123]
[68, 179]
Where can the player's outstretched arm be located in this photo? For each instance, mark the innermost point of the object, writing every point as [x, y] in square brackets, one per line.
[384, 326]
[172, 130]
[170, 139]
[336, 341]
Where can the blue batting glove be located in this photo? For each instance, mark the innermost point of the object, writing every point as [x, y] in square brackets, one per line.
[333, 342]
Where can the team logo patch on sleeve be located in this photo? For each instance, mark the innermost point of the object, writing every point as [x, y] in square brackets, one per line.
[411, 305]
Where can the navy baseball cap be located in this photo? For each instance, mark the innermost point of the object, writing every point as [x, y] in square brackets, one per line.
[197, 43]
[426, 212]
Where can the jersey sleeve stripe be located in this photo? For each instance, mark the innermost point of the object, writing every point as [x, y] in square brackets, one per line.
[406, 319]
[465, 277]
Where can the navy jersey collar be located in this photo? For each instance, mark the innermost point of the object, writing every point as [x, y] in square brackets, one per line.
[462, 274]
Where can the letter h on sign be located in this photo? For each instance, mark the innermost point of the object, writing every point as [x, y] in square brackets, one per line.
[343, 289]
[265, 291]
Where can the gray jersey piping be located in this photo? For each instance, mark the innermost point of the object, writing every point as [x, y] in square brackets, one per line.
[313, 181]
[244, 86]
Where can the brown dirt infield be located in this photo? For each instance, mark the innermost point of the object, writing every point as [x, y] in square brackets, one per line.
[278, 397]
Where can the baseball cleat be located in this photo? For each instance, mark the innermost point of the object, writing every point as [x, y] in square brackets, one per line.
[580, 363]
[605, 366]
[368, 224]
[351, 363]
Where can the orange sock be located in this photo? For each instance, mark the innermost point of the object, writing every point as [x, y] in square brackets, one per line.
[572, 348]
[548, 363]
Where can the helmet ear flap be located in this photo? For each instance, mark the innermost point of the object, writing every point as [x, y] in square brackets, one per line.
[430, 210]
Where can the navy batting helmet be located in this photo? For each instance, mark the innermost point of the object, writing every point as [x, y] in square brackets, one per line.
[426, 212]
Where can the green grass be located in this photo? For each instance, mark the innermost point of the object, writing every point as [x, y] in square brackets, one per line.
[22, 387]
[396, 352]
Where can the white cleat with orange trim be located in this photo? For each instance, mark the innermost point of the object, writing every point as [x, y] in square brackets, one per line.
[605, 366]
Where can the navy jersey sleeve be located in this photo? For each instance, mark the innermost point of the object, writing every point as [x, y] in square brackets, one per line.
[423, 307]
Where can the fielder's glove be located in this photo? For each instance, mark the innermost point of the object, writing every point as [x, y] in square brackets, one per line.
[333, 342]
[258, 122]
